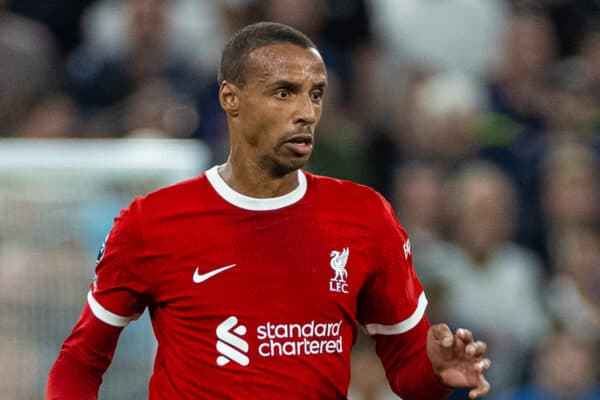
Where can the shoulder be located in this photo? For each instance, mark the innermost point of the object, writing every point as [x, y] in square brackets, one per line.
[356, 199]
[180, 193]
[166, 203]
[344, 190]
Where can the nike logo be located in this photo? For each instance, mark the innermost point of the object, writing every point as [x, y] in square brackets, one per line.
[199, 278]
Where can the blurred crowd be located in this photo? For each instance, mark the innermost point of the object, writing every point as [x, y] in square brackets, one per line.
[478, 120]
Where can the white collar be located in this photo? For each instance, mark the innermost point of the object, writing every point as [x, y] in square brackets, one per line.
[254, 203]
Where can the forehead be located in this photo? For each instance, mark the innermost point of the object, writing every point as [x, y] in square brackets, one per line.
[284, 61]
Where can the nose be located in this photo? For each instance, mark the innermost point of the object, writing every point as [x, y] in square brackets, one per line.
[305, 113]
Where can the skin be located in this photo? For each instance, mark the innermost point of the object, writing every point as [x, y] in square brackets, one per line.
[458, 359]
[281, 100]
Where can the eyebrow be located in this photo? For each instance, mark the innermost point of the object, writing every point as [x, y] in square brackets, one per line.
[320, 85]
[295, 85]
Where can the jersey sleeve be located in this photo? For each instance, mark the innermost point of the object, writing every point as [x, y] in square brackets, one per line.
[392, 310]
[393, 300]
[85, 355]
[119, 291]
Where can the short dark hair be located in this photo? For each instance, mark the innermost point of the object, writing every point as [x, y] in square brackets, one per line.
[250, 38]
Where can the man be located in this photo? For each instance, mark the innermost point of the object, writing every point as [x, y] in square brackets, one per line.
[257, 274]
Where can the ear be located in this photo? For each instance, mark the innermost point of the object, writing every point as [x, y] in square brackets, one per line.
[229, 97]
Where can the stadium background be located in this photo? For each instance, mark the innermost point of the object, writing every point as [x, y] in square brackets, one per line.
[478, 120]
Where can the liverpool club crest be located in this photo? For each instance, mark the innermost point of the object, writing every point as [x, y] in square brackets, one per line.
[338, 262]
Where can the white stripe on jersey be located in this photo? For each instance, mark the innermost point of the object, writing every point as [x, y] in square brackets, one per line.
[106, 316]
[403, 326]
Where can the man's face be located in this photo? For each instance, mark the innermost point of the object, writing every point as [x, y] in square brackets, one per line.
[280, 106]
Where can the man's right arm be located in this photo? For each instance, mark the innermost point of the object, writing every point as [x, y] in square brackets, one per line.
[83, 359]
[117, 296]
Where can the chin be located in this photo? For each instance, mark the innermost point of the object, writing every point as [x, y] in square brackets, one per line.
[286, 166]
[290, 167]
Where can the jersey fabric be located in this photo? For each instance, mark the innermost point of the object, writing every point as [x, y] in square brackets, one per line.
[259, 298]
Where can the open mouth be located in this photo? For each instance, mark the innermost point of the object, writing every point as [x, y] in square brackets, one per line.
[301, 139]
[300, 144]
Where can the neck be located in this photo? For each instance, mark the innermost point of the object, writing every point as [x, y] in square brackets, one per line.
[252, 180]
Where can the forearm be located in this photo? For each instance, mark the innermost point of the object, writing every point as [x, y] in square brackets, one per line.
[415, 380]
[408, 368]
[83, 359]
[70, 378]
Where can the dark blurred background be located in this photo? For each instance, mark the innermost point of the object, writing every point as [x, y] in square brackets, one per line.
[478, 120]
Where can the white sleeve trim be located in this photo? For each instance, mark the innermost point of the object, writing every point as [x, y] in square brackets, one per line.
[403, 326]
[106, 316]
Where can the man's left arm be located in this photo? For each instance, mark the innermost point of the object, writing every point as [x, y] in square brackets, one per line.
[421, 361]
[407, 366]
[426, 362]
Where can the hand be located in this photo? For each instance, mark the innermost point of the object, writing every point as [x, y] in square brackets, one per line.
[457, 359]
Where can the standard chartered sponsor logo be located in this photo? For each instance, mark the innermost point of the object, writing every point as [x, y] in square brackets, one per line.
[230, 346]
[299, 339]
[277, 340]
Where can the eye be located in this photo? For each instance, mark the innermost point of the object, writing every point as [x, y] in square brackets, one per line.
[316, 96]
[283, 93]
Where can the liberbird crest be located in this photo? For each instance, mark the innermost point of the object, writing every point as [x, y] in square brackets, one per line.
[338, 264]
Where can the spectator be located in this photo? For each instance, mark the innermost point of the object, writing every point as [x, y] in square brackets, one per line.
[447, 108]
[570, 114]
[100, 81]
[570, 189]
[60, 16]
[437, 121]
[341, 141]
[565, 368]
[569, 110]
[157, 110]
[392, 121]
[453, 34]
[516, 82]
[487, 275]
[589, 51]
[55, 116]
[574, 297]
[27, 67]
[419, 197]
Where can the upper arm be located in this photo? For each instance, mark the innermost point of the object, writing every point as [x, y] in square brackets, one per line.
[392, 309]
[119, 292]
[392, 300]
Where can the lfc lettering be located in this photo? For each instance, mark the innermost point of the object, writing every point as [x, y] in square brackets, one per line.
[338, 287]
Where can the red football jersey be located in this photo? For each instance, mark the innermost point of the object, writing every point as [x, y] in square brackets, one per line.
[257, 298]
